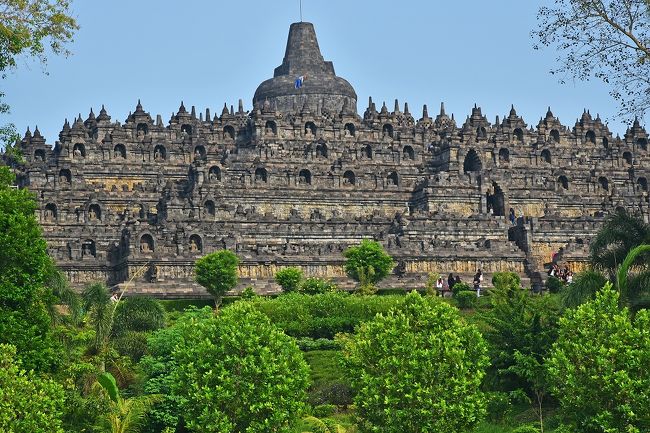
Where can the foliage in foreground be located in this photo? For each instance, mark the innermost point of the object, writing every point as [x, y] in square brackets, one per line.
[24, 265]
[126, 415]
[238, 373]
[417, 369]
[159, 367]
[599, 367]
[28, 404]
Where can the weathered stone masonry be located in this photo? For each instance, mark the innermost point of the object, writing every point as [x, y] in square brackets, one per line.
[302, 176]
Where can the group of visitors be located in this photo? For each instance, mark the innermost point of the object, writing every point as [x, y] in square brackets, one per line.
[443, 286]
[563, 274]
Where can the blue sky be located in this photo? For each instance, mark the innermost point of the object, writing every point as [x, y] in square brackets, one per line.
[208, 52]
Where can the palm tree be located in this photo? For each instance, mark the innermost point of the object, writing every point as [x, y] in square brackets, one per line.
[619, 236]
[634, 290]
[621, 232]
[125, 415]
[97, 302]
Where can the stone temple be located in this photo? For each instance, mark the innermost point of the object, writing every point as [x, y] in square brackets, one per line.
[302, 176]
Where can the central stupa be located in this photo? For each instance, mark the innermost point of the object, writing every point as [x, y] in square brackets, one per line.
[305, 79]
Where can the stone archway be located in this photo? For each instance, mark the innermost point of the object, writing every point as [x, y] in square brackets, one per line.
[496, 200]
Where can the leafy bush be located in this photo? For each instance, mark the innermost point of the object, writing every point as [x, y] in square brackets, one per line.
[217, 272]
[159, 367]
[315, 286]
[29, 403]
[598, 367]
[554, 285]
[236, 372]
[132, 344]
[307, 344]
[138, 313]
[506, 280]
[248, 293]
[324, 410]
[466, 299]
[499, 407]
[367, 262]
[289, 278]
[324, 315]
[389, 291]
[398, 365]
[460, 287]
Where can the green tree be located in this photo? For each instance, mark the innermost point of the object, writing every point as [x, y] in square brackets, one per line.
[29, 28]
[289, 278]
[605, 39]
[100, 309]
[238, 373]
[159, 367]
[521, 330]
[138, 313]
[315, 286]
[24, 265]
[417, 369]
[598, 367]
[367, 263]
[28, 404]
[217, 272]
[126, 415]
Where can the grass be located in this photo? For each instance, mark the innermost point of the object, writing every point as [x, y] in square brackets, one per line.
[325, 368]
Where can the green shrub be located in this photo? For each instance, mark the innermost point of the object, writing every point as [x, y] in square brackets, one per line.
[466, 299]
[138, 313]
[181, 305]
[323, 315]
[526, 429]
[506, 280]
[289, 278]
[367, 262]
[132, 344]
[554, 285]
[307, 344]
[460, 287]
[315, 286]
[248, 293]
[398, 292]
[324, 410]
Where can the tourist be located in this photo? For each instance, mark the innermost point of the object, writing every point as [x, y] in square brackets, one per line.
[569, 277]
[439, 286]
[478, 279]
[511, 217]
[451, 281]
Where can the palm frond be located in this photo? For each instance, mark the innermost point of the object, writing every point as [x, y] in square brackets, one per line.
[620, 233]
[582, 289]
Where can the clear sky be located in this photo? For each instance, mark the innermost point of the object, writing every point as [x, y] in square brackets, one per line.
[210, 52]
